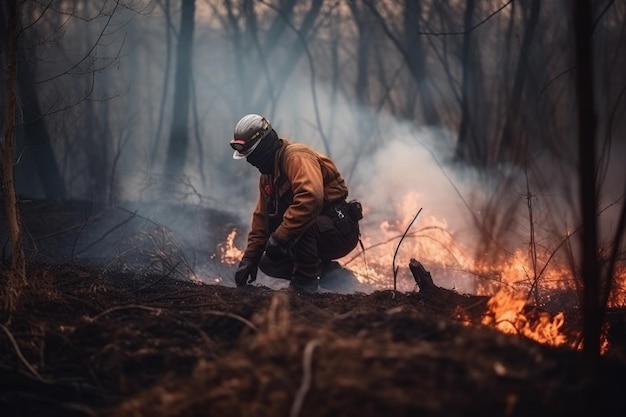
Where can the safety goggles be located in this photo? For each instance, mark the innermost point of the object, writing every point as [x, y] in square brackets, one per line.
[243, 147]
[239, 145]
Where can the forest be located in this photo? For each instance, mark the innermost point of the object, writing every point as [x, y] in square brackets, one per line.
[485, 140]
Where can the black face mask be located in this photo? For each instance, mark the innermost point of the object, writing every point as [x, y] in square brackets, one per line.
[263, 156]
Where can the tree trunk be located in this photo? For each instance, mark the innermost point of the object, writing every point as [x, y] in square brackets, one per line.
[586, 117]
[166, 83]
[38, 167]
[38, 171]
[416, 61]
[511, 145]
[469, 148]
[16, 276]
[179, 133]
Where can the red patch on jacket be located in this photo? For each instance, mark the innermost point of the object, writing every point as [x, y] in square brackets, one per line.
[268, 190]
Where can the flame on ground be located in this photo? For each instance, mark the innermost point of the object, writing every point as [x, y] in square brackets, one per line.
[509, 278]
[229, 253]
[506, 313]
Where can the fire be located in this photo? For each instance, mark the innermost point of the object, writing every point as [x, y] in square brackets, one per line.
[511, 277]
[618, 295]
[229, 253]
[454, 262]
[506, 313]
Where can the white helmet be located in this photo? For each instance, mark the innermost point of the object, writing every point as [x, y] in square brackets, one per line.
[249, 132]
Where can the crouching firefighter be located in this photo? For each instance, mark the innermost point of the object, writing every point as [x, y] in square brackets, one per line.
[302, 220]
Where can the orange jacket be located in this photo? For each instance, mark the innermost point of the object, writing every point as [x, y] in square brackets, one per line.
[304, 181]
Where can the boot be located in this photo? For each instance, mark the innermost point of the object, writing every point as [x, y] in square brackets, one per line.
[305, 278]
[336, 278]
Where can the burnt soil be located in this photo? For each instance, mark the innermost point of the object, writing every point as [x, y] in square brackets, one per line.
[84, 342]
[89, 340]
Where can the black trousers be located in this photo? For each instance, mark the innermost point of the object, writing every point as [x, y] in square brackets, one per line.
[327, 239]
[331, 236]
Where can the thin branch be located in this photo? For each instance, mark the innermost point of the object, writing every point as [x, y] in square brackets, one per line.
[395, 269]
[471, 29]
[416, 234]
[617, 244]
[89, 52]
[19, 353]
[104, 235]
[559, 75]
[126, 307]
[459, 33]
[159, 310]
[305, 386]
[38, 18]
[532, 244]
[311, 62]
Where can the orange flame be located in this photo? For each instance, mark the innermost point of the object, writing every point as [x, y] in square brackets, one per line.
[455, 266]
[229, 253]
[506, 314]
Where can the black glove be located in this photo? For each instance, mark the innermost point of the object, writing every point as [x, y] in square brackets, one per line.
[276, 250]
[246, 272]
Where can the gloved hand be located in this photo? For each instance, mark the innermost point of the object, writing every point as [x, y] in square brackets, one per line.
[246, 272]
[276, 250]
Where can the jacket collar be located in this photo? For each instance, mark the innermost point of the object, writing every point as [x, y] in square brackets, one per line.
[278, 159]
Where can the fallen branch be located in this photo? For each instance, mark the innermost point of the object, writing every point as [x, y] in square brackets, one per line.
[443, 299]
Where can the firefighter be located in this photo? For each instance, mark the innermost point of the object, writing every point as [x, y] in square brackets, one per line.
[302, 221]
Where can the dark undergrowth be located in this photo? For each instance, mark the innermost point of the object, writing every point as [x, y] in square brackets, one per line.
[84, 342]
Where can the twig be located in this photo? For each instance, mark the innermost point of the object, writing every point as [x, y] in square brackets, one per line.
[233, 316]
[414, 234]
[159, 279]
[519, 332]
[307, 360]
[393, 263]
[126, 307]
[19, 354]
[532, 244]
[68, 229]
[104, 235]
[566, 240]
[159, 310]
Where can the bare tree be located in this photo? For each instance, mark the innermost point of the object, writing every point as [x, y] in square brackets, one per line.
[16, 277]
[39, 164]
[37, 97]
[179, 131]
[409, 43]
[511, 145]
[469, 148]
[166, 77]
[592, 280]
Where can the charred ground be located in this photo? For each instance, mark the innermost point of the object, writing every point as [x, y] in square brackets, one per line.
[122, 344]
[102, 341]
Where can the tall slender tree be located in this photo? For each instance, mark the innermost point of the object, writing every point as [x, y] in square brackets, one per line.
[16, 277]
[511, 144]
[40, 167]
[179, 131]
[586, 117]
